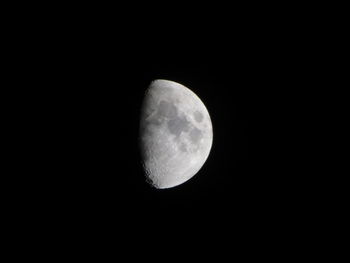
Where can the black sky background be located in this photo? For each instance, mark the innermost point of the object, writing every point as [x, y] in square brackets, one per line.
[247, 69]
[244, 180]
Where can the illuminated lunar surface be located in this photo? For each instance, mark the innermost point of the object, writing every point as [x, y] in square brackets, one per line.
[176, 134]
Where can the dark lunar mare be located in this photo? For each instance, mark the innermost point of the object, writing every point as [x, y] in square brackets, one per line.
[178, 125]
[198, 116]
[195, 135]
[167, 109]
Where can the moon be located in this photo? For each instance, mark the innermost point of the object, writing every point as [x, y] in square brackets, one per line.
[176, 134]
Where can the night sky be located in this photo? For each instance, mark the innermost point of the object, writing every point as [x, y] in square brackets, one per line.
[248, 77]
[242, 171]
[241, 92]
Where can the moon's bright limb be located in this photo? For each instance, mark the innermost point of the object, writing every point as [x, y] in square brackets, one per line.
[176, 134]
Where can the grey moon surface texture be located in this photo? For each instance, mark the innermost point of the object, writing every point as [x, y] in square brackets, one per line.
[176, 134]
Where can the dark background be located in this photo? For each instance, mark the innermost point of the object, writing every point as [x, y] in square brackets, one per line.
[245, 181]
[88, 74]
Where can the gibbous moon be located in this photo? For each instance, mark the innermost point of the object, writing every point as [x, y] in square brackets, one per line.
[176, 134]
